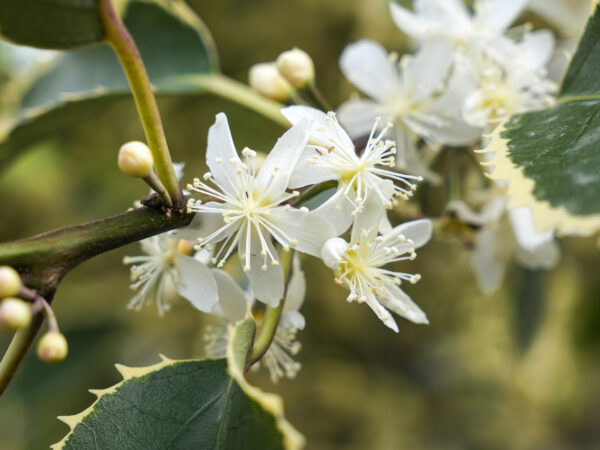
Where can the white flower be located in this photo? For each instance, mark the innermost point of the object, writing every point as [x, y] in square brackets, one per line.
[421, 95]
[451, 21]
[278, 359]
[250, 208]
[494, 246]
[514, 82]
[359, 266]
[164, 271]
[331, 155]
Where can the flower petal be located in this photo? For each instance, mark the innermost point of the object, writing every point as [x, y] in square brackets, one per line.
[196, 283]
[500, 14]
[412, 24]
[418, 231]
[292, 319]
[425, 72]
[382, 313]
[296, 288]
[202, 225]
[368, 66]
[280, 163]
[332, 252]
[267, 286]
[358, 116]
[399, 302]
[337, 210]
[232, 302]
[487, 261]
[221, 157]
[308, 230]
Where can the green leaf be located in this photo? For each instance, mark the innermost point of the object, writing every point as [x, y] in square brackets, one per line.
[550, 158]
[181, 404]
[173, 42]
[58, 24]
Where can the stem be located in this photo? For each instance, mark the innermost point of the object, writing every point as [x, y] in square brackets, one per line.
[268, 327]
[154, 183]
[17, 350]
[317, 97]
[124, 46]
[236, 92]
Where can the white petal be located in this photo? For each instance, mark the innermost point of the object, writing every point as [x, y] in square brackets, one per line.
[413, 25]
[358, 116]
[337, 210]
[221, 157]
[418, 231]
[267, 285]
[523, 227]
[500, 14]
[487, 261]
[307, 228]
[368, 66]
[445, 18]
[196, 283]
[292, 319]
[332, 252]
[232, 302]
[425, 72]
[202, 224]
[307, 173]
[296, 288]
[536, 48]
[399, 302]
[369, 217]
[382, 313]
[277, 168]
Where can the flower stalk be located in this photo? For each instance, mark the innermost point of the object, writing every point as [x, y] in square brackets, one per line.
[124, 46]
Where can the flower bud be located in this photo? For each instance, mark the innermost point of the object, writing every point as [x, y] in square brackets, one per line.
[265, 79]
[297, 67]
[52, 347]
[135, 159]
[14, 314]
[10, 281]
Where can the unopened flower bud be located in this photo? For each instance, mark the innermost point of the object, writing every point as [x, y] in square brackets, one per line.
[10, 281]
[297, 67]
[52, 347]
[14, 314]
[265, 79]
[135, 159]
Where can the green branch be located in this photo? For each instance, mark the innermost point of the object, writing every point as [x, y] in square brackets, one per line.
[124, 46]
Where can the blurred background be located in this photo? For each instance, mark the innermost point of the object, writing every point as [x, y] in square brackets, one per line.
[519, 369]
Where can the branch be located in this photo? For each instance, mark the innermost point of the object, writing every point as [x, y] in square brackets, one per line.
[44, 260]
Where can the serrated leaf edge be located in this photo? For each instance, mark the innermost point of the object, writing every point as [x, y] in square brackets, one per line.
[127, 373]
[272, 403]
[520, 190]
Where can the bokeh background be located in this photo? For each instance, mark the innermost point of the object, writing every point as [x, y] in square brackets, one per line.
[519, 369]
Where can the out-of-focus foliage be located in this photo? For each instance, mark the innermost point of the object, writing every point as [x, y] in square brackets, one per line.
[518, 369]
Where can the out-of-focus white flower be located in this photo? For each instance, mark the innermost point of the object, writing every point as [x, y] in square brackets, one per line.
[249, 208]
[278, 359]
[163, 271]
[451, 21]
[421, 95]
[494, 245]
[331, 155]
[359, 265]
[514, 82]
[569, 16]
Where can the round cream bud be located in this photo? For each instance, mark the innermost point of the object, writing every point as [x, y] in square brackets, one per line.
[14, 314]
[52, 347]
[135, 159]
[297, 67]
[265, 79]
[10, 281]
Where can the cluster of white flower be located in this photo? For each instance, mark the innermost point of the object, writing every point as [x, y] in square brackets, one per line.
[469, 73]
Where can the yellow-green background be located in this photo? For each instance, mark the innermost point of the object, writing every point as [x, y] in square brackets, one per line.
[518, 370]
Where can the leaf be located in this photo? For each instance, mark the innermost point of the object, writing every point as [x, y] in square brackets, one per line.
[173, 43]
[58, 24]
[181, 404]
[551, 158]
